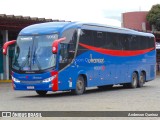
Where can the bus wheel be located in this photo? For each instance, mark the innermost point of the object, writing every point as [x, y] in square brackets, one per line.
[141, 81]
[41, 92]
[134, 81]
[80, 86]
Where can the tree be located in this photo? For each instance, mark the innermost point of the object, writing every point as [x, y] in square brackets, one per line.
[153, 16]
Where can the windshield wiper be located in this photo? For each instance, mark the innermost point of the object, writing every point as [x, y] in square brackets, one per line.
[35, 59]
[27, 59]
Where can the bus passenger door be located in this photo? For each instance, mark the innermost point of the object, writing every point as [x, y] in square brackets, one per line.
[66, 56]
[65, 66]
[63, 62]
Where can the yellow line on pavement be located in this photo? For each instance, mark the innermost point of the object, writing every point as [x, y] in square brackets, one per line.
[5, 81]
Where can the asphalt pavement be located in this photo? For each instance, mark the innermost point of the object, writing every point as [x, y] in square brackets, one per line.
[117, 98]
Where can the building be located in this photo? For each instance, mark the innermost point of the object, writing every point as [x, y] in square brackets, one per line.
[136, 21]
[10, 26]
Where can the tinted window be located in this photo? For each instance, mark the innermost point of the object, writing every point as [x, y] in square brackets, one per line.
[133, 43]
[99, 38]
[68, 47]
[125, 41]
[113, 41]
[151, 42]
[86, 37]
[140, 43]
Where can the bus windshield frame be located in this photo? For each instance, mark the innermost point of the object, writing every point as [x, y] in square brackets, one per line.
[34, 53]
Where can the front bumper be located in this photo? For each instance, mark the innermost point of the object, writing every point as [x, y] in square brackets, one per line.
[46, 81]
[41, 86]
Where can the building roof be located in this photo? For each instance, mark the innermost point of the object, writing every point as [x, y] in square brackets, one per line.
[16, 23]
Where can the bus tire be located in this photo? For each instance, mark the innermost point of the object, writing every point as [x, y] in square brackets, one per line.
[41, 92]
[141, 80]
[80, 86]
[134, 81]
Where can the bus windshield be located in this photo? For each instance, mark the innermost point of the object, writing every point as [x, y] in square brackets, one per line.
[34, 53]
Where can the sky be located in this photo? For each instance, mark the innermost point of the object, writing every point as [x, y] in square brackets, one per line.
[98, 11]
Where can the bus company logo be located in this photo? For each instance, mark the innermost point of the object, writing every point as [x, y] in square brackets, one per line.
[94, 60]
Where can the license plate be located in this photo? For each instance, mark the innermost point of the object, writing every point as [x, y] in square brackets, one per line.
[30, 87]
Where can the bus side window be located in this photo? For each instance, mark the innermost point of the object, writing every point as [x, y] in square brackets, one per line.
[68, 47]
[99, 38]
[108, 42]
[125, 42]
[86, 37]
[113, 41]
[151, 43]
[133, 43]
[63, 53]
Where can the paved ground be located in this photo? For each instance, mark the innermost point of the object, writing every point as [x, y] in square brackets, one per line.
[115, 99]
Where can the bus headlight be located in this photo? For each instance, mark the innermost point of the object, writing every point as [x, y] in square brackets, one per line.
[15, 80]
[49, 79]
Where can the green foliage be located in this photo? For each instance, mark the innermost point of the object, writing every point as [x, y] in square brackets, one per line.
[153, 16]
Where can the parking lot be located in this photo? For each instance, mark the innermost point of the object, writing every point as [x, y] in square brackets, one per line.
[115, 99]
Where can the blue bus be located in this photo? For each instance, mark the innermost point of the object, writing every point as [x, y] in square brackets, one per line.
[70, 56]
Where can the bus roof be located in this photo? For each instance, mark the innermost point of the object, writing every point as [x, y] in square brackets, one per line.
[55, 27]
[44, 28]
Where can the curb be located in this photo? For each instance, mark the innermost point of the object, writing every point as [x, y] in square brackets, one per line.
[5, 81]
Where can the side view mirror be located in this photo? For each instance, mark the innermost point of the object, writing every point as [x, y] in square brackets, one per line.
[55, 45]
[6, 45]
